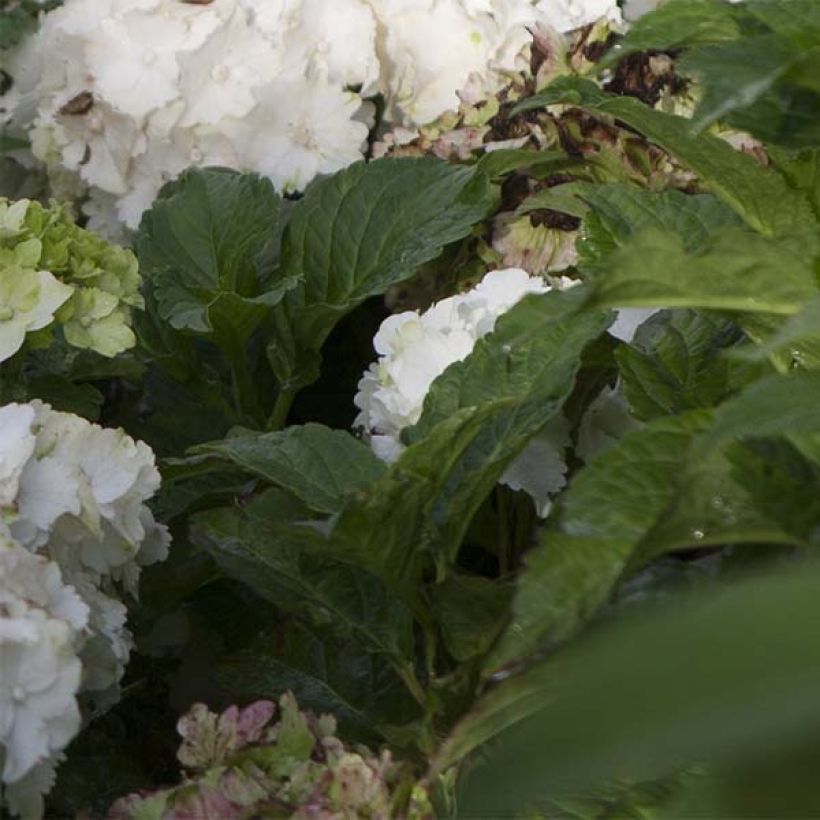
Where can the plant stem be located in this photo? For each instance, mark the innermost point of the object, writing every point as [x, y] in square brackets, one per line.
[279, 416]
[408, 676]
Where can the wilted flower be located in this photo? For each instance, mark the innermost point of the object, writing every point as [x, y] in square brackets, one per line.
[240, 762]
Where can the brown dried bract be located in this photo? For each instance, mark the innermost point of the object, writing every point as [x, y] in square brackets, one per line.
[81, 104]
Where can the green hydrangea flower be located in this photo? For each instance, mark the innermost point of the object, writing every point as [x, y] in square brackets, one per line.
[51, 270]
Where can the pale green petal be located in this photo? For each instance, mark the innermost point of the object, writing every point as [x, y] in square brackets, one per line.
[52, 294]
[108, 336]
[12, 334]
[12, 216]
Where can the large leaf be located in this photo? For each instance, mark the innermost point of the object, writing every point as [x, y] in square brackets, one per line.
[319, 465]
[478, 415]
[759, 196]
[203, 245]
[283, 562]
[328, 676]
[736, 271]
[660, 488]
[716, 676]
[735, 75]
[776, 405]
[619, 212]
[675, 363]
[358, 232]
[795, 343]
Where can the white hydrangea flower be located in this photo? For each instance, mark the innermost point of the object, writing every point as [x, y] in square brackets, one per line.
[119, 96]
[565, 15]
[430, 49]
[414, 349]
[17, 441]
[106, 650]
[83, 493]
[75, 493]
[25, 796]
[40, 623]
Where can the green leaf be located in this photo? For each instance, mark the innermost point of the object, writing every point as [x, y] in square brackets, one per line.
[569, 198]
[358, 232]
[10, 143]
[735, 75]
[783, 484]
[773, 406]
[83, 399]
[478, 416]
[619, 212]
[471, 611]
[759, 196]
[285, 563]
[505, 160]
[320, 466]
[726, 675]
[675, 363]
[674, 25]
[795, 343]
[563, 583]
[328, 676]
[660, 488]
[203, 245]
[737, 271]
[802, 171]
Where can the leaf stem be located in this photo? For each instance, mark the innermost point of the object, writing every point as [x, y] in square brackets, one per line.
[279, 415]
[408, 676]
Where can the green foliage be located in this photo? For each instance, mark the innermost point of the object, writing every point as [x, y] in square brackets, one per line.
[677, 363]
[206, 245]
[422, 602]
[708, 678]
[358, 232]
[318, 465]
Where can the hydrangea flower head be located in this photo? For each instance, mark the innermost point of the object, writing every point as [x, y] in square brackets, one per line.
[415, 348]
[41, 620]
[52, 271]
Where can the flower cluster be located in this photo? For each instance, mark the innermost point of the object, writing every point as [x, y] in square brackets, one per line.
[51, 270]
[72, 511]
[41, 623]
[414, 348]
[126, 95]
[240, 762]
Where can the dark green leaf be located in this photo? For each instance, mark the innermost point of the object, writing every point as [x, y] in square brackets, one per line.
[203, 245]
[471, 612]
[675, 363]
[319, 465]
[328, 676]
[736, 271]
[358, 232]
[284, 562]
[725, 675]
[622, 211]
[658, 489]
[735, 75]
